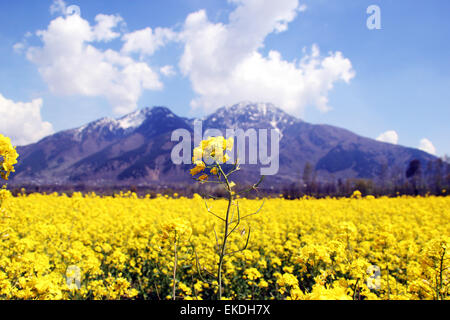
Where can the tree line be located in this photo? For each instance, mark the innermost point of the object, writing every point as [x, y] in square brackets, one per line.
[416, 178]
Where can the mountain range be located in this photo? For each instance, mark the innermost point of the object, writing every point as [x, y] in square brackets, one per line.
[135, 150]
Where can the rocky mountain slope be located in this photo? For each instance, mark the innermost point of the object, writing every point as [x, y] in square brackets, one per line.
[135, 150]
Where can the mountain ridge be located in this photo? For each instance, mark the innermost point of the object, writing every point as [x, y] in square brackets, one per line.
[135, 149]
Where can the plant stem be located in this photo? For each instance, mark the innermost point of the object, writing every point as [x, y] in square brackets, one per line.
[174, 267]
[222, 252]
[225, 235]
[441, 269]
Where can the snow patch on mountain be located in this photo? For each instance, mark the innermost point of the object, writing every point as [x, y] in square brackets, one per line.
[251, 115]
[131, 121]
[122, 125]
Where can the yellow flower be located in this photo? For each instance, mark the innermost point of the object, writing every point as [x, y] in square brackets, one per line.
[287, 280]
[214, 171]
[4, 194]
[176, 228]
[263, 283]
[213, 149]
[199, 167]
[321, 248]
[356, 194]
[8, 157]
[252, 274]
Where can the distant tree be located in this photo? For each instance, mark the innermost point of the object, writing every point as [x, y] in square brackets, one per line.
[307, 177]
[429, 176]
[438, 175]
[307, 173]
[330, 188]
[413, 169]
[365, 186]
[447, 171]
[383, 182]
[413, 173]
[340, 185]
[314, 184]
[347, 187]
[397, 177]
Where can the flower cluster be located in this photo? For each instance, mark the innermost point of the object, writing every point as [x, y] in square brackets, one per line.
[8, 157]
[176, 230]
[209, 154]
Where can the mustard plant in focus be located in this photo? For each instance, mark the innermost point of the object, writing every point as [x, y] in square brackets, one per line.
[175, 232]
[210, 159]
[8, 158]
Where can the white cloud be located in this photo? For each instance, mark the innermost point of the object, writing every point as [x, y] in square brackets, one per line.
[302, 8]
[19, 47]
[147, 41]
[225, 66]
[58, 7]
[168, 71]
[427, 146]
[22, 122]
[103, 31]
[222, 60]
[390, 136]
[71, 65]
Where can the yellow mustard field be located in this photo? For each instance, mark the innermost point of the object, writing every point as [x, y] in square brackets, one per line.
[121, 248]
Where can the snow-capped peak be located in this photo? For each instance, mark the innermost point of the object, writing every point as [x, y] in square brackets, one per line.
[122, 125]
[247, 114]
[132, 120]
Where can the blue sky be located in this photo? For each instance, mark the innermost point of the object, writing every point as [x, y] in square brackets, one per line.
[315, 59]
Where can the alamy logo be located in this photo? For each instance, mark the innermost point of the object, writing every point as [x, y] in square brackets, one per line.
[73, 10]
[263, 146]
[374, 20]
[374, 279]
[73, 277]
